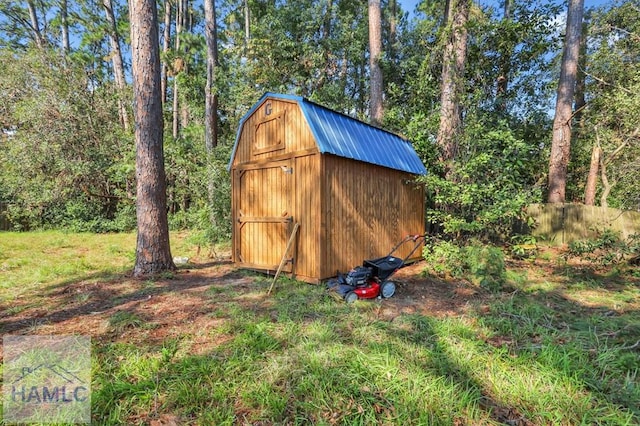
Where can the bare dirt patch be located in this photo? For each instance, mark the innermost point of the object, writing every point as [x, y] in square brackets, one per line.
[186, 303]
[427, 295]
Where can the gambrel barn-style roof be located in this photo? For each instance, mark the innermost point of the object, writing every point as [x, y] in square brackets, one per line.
[344, 136]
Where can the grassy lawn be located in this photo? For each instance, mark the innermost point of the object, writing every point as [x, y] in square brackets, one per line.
[560, 345]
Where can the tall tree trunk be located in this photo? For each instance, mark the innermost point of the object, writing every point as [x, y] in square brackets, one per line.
[581, 76]
[505, 64]
[35, 25]
[561, 140]
[211, 96]
[64, 27]
[177, 68]
[606, 186]
[116, 60]
[360, 72]
[153, 253]
[187, 26]
[327, 21]
[580, 104]
[393, 31]
[592, 178]
[247, 23]
[375, 52]
[453, 63]
[166, 43]
[328, 66]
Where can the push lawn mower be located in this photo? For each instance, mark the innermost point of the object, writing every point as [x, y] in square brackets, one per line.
[371, 280]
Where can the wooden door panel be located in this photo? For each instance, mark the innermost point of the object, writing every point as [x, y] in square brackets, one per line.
[264, 220]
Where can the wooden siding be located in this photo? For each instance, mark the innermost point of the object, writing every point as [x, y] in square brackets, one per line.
[271, 171]
[262, 217]
[366, 211]
[278, 134]
[307, 213]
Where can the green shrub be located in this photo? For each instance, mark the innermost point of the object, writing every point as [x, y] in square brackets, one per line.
[486, 265]
[484, 192]
[606, 249]
[444, 258]
[481, 264]
[524, 246]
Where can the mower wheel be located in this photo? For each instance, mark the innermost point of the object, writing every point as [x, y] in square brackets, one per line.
[387, 289]
[350, 297]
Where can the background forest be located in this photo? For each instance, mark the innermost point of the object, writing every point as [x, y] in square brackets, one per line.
[66, 136]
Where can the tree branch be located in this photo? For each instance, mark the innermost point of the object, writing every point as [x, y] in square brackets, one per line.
[609, 84]
[605, 162]
[632, 36]
[578, 111]
[614, 154]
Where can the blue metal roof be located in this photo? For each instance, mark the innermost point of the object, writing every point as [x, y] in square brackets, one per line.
[340, 135]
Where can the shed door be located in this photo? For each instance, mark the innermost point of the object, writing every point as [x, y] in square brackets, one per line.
[264, 220]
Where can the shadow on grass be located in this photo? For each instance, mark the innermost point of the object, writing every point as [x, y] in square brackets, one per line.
[304, 358]
[300, 357]
[98, 292]
[577, 334]
[454, 369]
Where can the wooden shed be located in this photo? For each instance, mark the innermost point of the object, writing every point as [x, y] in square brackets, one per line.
[347, 185]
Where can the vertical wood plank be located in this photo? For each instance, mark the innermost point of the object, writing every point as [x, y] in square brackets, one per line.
[368, 210]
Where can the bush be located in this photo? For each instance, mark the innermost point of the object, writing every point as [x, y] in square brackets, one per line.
[481, 264]
[484, 193]
[486, 264]
[524, 246]
[606, 249]
[66, 163]
[444, 258]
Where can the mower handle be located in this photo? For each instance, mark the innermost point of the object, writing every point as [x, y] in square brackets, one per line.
[415, 238]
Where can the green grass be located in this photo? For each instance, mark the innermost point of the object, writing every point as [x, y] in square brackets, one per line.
[122, 321]
[30, 260]
[555, 348]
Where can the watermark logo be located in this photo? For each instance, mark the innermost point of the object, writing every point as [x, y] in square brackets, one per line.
[47, 379]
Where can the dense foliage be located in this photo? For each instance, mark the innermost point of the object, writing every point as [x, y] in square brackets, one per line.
[611, 117]
[67, 161]
[482, 264]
